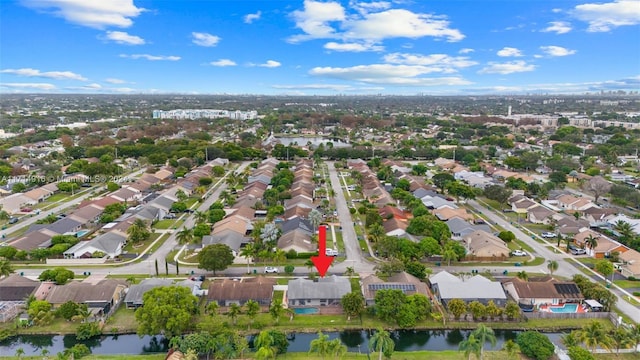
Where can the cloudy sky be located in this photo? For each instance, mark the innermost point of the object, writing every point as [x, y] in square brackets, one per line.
[405, 47]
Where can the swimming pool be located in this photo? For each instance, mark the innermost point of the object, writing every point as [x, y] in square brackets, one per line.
[306, 311]
[566, 308]
[82, 233]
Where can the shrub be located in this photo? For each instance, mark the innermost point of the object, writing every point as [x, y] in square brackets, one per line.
[578, 353]
[636, 293]
[535, 345]
[289, 269]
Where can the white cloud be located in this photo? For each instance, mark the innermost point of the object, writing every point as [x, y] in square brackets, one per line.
[317, 18]
[37, 86]
[396, 23]
[507, 68]
[409, 75]
[363, 7]
[94, 14]
[151, 57]
[606, 16]
[352, 47]
[250, 18]
[556, 10]
[556, 50]
[314, 19]
[223, 62]
[58, 75]
[509, 52]
[204, 39]
[466, 51]
[558, 27]
[270, 64]
[437, 62]
[122, 37]
[115, 81]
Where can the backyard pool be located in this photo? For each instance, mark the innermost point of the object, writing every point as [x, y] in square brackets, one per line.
[306, 311]
[566, 308]
[82, 233]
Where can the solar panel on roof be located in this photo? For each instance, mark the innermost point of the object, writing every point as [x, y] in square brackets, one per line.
[567, 288]
[403, 287]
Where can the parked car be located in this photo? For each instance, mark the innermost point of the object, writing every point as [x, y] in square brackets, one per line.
[578, 251]
[26, 209]
[519, 253]
[13, 220]
[548, 235]
[271, 270]
[331, 252]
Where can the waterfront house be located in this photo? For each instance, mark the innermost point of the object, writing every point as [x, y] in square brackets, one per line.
[327, 291]
[233, 291]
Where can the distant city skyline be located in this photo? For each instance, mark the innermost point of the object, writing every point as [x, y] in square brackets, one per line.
[394, 47]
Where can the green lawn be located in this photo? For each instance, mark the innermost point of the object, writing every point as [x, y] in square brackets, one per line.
[165, 224]
[626, 284]
[138, 248]
[122, 321]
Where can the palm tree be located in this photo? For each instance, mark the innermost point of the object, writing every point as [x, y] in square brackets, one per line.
[320, 345]
[185, 236]
[620, 339]
[382, 343]
[593, 335]
[212, 308]
[200, 216]
[5, 268]
[511, 348]
[280, 256]
[45, 353]
[571, 339]
[337, 348]
[234, 311]
[19, 352]
[350, 271]
[249, 252]
[552, 265]
[265, 344]
[634, 335]
[253, 308]
[448, 255]
[484, 333]
[315, 217]
[276, 309]
[591, 241]
[522, 275]
[376, 232]
[471, 346]
[624, 229]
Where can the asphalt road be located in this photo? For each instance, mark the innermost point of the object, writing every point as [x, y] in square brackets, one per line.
[566, 267]
[26, 220]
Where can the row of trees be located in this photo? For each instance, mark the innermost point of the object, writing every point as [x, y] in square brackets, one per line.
[596, 335]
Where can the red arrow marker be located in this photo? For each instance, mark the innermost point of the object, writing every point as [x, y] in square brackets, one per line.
[322, 261]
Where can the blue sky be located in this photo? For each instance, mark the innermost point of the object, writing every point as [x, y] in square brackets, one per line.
[437, 47]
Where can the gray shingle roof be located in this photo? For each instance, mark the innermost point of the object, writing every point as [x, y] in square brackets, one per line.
[135, 293]
[331, 287]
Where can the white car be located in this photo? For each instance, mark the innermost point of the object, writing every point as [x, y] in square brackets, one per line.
[548, 235]
[271, 270]
[331, 252]
[518, 253]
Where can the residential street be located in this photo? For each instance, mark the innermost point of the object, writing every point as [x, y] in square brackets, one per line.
[26, 220]
[565, 268]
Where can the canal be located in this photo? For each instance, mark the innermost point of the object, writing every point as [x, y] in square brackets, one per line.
[356, 341]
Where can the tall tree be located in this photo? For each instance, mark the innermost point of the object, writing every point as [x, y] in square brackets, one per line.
[234, 311]
[484, 334]
[320, 345]
[353, 304]
[381, 343]
[471, 345]
[167, 310]
[552, 265]
[215, 257]
[276, 309]
[5, 268]
[598, 186]
[594, 334]
[253, 308]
